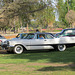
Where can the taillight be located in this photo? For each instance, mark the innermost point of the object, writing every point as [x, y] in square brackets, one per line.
[0, 40]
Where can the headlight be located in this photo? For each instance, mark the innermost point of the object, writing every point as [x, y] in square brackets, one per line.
[6, 42]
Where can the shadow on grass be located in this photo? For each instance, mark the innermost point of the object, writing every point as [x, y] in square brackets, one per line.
[58, 68]
[52, 56]
[67, 56]
[46, 56]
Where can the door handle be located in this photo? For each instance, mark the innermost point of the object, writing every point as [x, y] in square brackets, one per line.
[45, 40]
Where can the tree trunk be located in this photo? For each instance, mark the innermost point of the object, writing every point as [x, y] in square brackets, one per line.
[67, 5]
[27, 28]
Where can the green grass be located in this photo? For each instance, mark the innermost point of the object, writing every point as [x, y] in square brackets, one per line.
[39, 63]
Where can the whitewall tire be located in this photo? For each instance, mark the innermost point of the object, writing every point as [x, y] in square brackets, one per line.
[61, 47]
[18, 49]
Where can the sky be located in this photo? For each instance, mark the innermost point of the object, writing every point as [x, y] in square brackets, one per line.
[55, 10]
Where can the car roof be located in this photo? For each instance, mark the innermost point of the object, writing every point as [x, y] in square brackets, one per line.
[22, 33]
[41, 33]
[68, 29]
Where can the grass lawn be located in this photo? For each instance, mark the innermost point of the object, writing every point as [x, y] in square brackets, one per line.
[38, 63]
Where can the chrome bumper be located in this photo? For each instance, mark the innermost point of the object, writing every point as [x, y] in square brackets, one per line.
[7, 47]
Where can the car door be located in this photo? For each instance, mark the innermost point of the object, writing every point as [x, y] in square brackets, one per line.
[37, 43]
[27, 40]
[49, 41]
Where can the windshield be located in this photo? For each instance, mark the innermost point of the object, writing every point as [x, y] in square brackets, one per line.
[21, 36]
[18, 36]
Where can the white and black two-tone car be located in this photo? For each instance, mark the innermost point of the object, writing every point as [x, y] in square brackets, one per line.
[70, 32]
[33, 42]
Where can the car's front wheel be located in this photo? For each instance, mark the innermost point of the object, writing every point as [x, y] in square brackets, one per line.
[18, 49]
[61, 47]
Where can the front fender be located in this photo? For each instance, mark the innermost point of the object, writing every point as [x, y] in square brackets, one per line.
[19, 43]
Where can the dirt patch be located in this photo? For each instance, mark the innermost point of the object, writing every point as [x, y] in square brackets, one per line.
[32, 67]
[9, 37]
[3, 51]
[48, 64]
[29, 66]
[15, 67]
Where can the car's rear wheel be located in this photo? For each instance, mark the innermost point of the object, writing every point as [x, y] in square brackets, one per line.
[18, 49]
[61, 47]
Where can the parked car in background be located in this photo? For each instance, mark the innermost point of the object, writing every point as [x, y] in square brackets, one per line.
[20, 36]
[2, 39]
[66, 33]
[32, 42]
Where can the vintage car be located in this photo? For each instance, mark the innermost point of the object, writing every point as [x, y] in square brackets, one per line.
[33, 42]
[66, 33]
[2, 39]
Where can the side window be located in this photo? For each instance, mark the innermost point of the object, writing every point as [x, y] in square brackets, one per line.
[70, 33]
[48, 36]
[29, 36]
[67, 33]
[23, 35]
[73, 33]
[40, 36]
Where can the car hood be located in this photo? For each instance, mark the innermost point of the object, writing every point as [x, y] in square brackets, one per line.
[3, 40]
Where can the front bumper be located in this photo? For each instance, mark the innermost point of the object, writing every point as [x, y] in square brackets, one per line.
[7, 47]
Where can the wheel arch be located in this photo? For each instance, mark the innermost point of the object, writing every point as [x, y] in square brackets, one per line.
[22, 46]
[56, 46]
[61, 47]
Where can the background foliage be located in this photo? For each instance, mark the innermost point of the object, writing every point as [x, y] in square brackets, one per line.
[16, 14]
